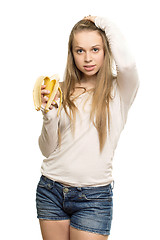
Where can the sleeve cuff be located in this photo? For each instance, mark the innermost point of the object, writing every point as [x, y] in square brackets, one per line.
[51, 114]
[102, 23]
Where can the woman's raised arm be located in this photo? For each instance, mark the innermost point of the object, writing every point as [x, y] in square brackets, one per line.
[127, 76]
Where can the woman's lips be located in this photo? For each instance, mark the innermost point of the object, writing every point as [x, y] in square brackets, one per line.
[89, 67]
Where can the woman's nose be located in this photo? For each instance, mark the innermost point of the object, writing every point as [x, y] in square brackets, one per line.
[88, 57]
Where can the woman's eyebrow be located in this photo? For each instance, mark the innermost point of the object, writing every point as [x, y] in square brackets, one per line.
[91, 46]
[97, 45]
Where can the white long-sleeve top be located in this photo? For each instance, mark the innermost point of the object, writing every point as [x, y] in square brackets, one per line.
[77, 161]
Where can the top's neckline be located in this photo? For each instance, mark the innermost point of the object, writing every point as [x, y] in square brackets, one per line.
[85, 91]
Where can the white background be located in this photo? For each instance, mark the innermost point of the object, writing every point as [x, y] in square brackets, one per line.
[33, 42]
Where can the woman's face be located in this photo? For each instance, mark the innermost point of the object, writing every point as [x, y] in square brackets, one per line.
[88, 52]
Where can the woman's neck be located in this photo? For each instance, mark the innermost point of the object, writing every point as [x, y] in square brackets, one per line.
[87, 83]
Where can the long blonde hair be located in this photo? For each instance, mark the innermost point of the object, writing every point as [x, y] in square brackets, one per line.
[99, 115]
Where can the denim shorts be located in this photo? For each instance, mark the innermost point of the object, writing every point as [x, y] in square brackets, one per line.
[88, 208]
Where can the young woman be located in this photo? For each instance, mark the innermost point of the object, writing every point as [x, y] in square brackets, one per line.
[74, 194]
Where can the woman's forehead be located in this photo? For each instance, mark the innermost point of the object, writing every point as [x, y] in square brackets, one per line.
[86, 38]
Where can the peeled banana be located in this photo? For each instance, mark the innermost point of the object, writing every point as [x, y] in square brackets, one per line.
[52, 84]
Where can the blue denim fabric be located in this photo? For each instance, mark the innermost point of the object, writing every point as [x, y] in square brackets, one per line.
[87, 208]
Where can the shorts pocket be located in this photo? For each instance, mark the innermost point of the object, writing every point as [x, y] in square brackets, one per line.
[99, 195]
[43, 183]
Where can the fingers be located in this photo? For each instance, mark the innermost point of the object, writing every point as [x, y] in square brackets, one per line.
[43, 90]
[91, 18]
[57, 96]
[53, 105]
[43, 86]
[87, 16]
[44, 99]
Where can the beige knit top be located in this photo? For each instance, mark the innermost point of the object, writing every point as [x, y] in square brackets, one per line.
[78, 161]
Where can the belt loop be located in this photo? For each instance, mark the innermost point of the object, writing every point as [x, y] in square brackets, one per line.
[112, 185]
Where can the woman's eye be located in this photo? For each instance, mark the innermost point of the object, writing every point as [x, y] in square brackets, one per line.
[79, 51]
[95, 49]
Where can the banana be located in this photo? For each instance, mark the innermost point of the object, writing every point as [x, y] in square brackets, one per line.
[52, 84]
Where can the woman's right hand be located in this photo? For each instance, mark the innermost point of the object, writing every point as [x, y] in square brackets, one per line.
[91, 18]
[44, 99]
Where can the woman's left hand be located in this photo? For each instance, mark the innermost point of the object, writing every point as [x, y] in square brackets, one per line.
[91, 18]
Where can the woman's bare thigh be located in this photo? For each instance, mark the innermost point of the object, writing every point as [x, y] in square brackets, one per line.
[55, 230]
[76, 234]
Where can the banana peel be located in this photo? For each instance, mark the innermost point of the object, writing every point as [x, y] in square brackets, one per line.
[52, 84]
